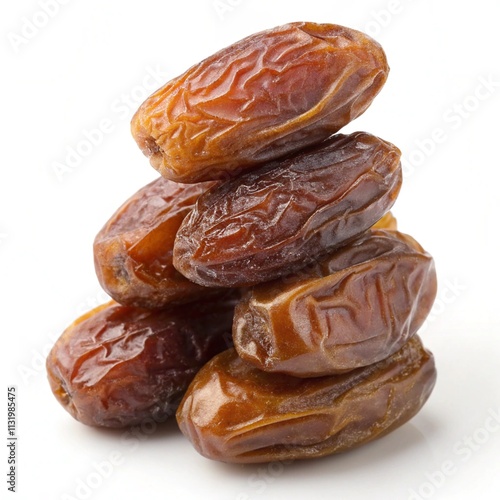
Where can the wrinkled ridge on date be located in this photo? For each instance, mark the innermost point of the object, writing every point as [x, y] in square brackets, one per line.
[350, 309]
[268, 95]
[234, 412]
[276, 219]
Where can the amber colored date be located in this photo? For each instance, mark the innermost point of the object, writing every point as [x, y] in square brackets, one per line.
[234, 412]
[270, 94]
[388, 221]
[276, 219]
[117, 366]
[353, 308]
[133, 251]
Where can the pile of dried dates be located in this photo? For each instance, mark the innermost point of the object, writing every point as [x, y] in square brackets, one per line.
[260, 286]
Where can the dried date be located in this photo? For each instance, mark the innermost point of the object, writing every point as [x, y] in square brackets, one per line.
[270, 94]
[117, 366]
[351, 309]
[234, 412]
[133, 251]
[276, 219]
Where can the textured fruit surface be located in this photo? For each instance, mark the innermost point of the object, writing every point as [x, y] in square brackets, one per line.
[267, 95]
[234, 412]
[351, 309]
[276, 219]
[118, 365]
[133, 251]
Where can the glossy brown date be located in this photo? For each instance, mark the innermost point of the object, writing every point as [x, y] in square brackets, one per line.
[234, 412]
[270, 94]
[133, 251]
[351, 309]
[118, 366]
[276, 219]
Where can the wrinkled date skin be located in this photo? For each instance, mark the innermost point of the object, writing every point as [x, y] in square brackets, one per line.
[133, 251]
[351, 309]
[274, 220]
[270, 94]
[234, 412]
[117, 366]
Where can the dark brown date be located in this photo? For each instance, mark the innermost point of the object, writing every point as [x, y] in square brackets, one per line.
[133, 251]
[270, 94]
[276, 219]
[234, 412]
[351, 309]
[117, 366]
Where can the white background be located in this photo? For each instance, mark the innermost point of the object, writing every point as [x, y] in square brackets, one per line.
[89, 62]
